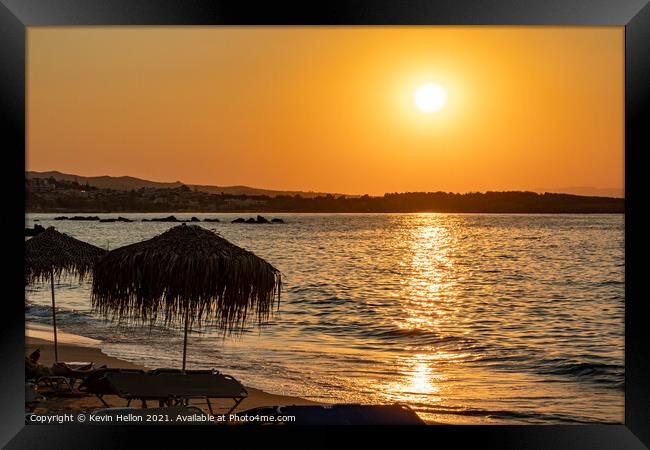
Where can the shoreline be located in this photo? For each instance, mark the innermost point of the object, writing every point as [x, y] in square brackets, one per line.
[73, 348]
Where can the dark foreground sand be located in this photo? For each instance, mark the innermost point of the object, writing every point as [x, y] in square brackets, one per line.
[71, 350]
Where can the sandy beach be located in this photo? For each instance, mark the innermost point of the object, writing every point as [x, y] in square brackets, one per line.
[79, 348]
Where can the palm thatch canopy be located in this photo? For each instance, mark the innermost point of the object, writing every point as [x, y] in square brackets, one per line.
[185, 272]
[52, 254]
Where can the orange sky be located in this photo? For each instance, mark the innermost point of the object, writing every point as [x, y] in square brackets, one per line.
[330, 108]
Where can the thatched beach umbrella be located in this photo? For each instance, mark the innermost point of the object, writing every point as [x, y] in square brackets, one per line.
[187, 273]
[52, 254]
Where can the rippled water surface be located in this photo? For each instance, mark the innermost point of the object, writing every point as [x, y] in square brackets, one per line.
[467, 318]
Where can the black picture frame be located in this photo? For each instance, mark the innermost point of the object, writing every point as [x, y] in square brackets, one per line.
[634, 15]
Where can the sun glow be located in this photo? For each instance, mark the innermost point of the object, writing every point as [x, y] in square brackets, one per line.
[430, 97]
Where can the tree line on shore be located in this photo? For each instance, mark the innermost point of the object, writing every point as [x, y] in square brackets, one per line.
[186, 199]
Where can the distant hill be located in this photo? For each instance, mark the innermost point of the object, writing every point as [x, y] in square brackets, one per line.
[126, 183]
[105, 182]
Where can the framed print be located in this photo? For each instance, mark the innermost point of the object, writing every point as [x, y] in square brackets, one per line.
[281, 222]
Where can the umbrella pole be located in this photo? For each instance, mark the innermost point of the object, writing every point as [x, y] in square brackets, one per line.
[56, 351]
[185, 339]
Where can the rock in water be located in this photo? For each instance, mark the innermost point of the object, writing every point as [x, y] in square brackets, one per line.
[165, 219]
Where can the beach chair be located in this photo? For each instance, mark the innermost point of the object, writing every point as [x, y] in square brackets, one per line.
[81, 369]
[97, 384]
[64, 375]
[177, 388]
[339, 414]
[54, 383]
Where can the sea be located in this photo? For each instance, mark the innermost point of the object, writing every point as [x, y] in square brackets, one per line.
[466, 318]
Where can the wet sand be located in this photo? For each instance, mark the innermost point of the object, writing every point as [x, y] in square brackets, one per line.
[73, 348]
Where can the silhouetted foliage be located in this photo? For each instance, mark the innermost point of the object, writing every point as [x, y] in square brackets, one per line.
[61, 196]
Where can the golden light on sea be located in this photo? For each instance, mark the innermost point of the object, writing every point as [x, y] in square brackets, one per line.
[426, 305]
[427, 291]
[418, 381]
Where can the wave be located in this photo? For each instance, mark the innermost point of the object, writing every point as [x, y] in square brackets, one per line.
[412, 336]
[596, 372]
[85, 323]
[601, 373]
[41, 314]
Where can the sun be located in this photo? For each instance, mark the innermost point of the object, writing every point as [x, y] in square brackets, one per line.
[430, 97]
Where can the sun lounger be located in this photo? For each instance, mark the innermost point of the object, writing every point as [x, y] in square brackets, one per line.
[340, 414]
[176, 388]
[97, 384]
[66, 374]
[62, 368]
[55, 383]
[62, 376]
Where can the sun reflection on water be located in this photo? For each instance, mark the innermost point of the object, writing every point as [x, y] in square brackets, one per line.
[428, 289]
[422, 378]
[418, 381]
[428, 294]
